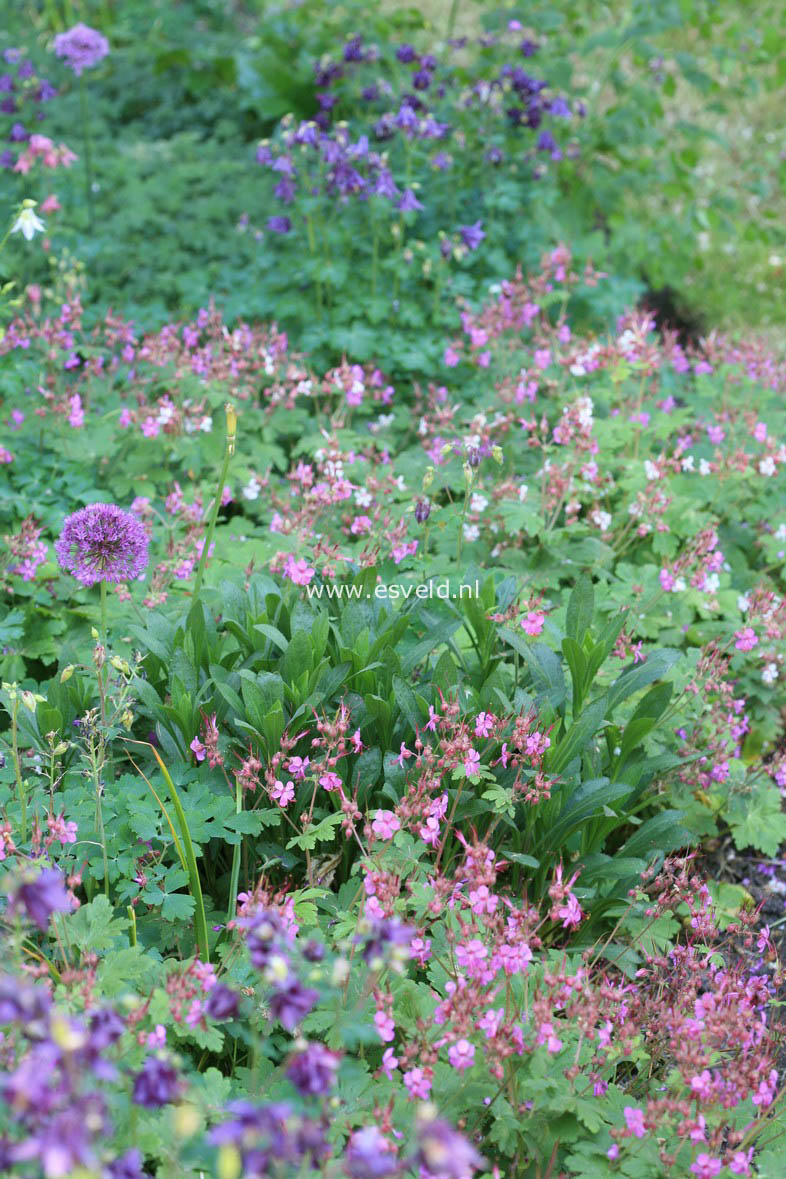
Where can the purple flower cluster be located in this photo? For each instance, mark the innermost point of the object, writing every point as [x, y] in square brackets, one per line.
[430, 104]
[81, 47]
[102, 543]
[39, 896]
[21, 93]
[51, 1090]
[271, 952]
[272, 1135]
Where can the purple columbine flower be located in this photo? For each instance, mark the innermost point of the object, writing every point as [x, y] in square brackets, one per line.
[472, 235]
[81, 47]
[291, 1002]
[106, 1027]
[156, 1084]
[41, 897]
[279, 224]
[445, 1152]
[547, 142]
[409, 202]
[221, 1003]
[406, 54]
[128, 1166]
[102, 543]
[265, 935]
[313, 1071]
[560, 108]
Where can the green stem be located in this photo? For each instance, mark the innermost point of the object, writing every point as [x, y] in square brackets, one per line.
[194, 883]
[88, 150]
[374, 261]
[103, 612]
[213, 518]
[100, 826]
[312, 247]
[461, 526]
[452, 18]
[233, 881]
[20, 786]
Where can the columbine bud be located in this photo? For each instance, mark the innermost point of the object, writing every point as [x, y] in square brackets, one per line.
[229, 409]
[120, 665]
[66, 1034]
[66, 673]
[230, 1164]
[94, 634]
[422, 511]
[29, 700]
[473, 456]
[99, 655]
[428, 478]
[277, 969]
[468, 474]
[187, 1121]
[60, 749]
[340, 972]
[496, 454]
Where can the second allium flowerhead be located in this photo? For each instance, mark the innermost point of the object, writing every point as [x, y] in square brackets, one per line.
[82, 47]
[102, 543]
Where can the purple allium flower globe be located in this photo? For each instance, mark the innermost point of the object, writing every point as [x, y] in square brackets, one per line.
[102, 543]
[82, 47]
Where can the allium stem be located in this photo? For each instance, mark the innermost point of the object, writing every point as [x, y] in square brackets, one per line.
[83, 105]
[103, 611]
[230, 450]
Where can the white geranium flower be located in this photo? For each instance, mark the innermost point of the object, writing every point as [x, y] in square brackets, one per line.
[28, 223]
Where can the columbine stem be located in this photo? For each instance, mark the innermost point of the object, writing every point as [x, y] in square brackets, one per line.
[312, 248]
[233, 882]
[230, 450]
[83, 106]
